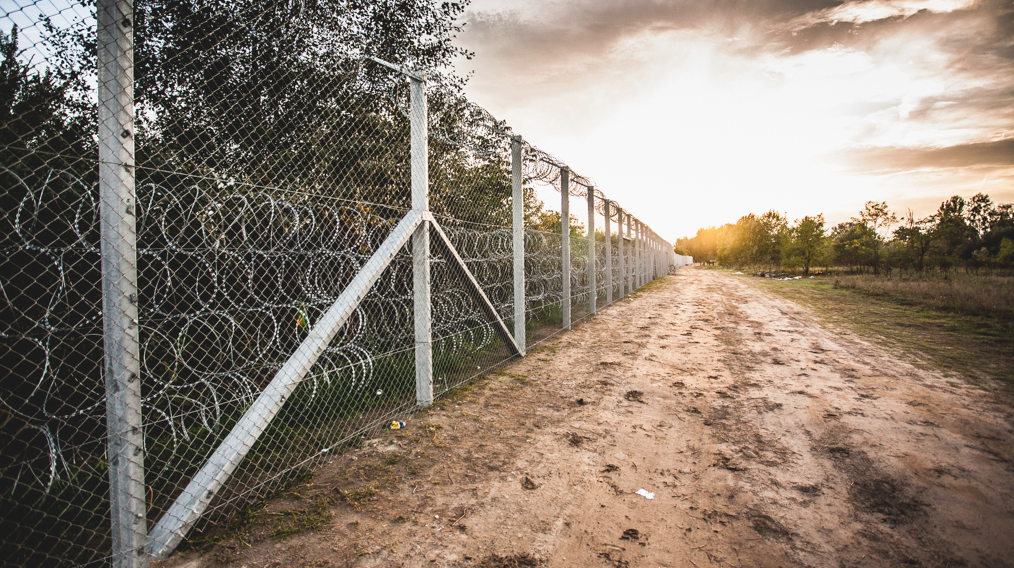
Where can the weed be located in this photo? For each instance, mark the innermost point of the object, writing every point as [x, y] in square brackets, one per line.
[391, 459]
[432, 430]
[295, 521]
[356, 497]
[904, 315]
[235, 528]
[991, 296]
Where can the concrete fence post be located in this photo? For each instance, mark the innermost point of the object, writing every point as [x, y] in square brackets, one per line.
[118, 245]
[644, 253]
[654, 255]
[640, 254]
[593, 293]
[518, 230]
[637, 254]
[421, 244]
[565, 243]
[651, 255]
[621, 268]
[608, 231]
[629, 247]
[640, 261]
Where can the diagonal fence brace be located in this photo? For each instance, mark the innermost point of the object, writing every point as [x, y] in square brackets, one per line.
[191, 504]
[476, 290]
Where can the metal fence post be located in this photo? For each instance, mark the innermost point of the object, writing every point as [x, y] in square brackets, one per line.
[593, 292]
[518, 206]
[565, 235]
[118, 243]
[421, 245]
[609, 253]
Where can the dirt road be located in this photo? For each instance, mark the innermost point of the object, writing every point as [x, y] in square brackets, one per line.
[766, 439]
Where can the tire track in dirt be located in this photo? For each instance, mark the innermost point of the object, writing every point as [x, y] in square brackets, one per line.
[767, 441]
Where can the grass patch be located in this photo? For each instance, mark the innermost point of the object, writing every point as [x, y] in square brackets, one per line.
[391, 459]
[650, 286]
[236, 528]
[356, 497]
[432, 431]
[297, 521]
[951, 332]
[988, 296]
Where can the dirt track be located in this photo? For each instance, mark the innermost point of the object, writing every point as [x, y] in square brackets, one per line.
[767, 441]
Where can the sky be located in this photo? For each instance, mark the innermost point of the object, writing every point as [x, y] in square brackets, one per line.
[695, 113]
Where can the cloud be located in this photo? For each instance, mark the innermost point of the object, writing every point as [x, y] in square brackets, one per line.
[999, 153]
[863, 11]
[560, 38]
[732, 99]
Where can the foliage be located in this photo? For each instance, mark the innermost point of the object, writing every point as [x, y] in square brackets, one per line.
[805, 244]
[754, 240]
[972, 234]
[548, 221]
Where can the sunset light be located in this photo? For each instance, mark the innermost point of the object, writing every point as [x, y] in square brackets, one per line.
[717, 110]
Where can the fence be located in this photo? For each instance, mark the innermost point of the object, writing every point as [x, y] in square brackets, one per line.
[258, 246]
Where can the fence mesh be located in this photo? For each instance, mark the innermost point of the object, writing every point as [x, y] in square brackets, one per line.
[263, 163]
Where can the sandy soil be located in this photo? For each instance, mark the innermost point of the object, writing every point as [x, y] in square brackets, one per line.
[767, 440]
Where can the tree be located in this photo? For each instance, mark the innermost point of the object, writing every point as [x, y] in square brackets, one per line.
[549, 222]
[280, 94]
[878, 219]
[42, 116]
[704, 245]
[917, 238]
[980, 210]
[953, 237]
[1001, 217]
[850, 244]
[805, 244]
[1006, 253]
[753, 240]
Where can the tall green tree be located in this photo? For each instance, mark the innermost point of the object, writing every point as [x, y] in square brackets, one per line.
[281, 94]
[805, 244]
[917, 239]
[851, 244]
[754, 240]
[953, 236]
[878, 220]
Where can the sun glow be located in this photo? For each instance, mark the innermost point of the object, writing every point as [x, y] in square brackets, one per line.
[717, 120]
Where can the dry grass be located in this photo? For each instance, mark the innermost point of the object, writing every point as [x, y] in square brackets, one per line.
[991, 296]
[963, 325]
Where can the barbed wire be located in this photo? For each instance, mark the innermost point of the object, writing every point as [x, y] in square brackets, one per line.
[265, 182]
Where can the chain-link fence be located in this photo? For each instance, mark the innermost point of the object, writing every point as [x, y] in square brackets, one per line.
[234, 243]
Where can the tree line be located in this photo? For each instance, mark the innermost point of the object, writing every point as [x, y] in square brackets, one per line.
[263, 94]
[963, 233]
